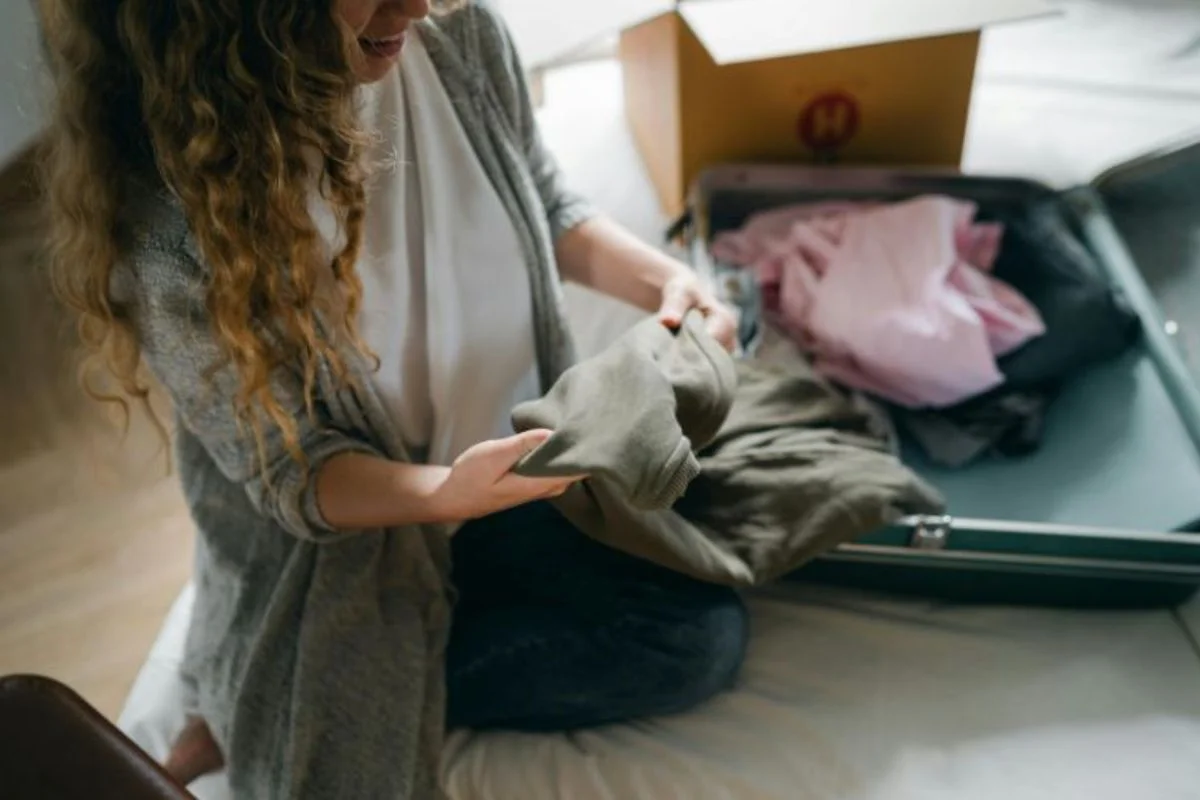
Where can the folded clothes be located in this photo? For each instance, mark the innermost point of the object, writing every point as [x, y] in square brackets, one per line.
[732, 473]
[893, 299]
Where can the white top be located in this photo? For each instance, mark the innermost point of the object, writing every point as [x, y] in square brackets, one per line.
[446, 296]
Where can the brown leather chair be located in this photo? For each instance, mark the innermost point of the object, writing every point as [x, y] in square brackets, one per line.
[54, 746]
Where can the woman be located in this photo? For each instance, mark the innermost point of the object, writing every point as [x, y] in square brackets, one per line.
[331, 231]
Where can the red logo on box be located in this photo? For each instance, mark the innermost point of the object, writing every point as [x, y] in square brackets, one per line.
[829, 122]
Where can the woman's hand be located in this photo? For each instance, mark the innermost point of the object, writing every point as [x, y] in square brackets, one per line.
[685, 293]
[482, 482]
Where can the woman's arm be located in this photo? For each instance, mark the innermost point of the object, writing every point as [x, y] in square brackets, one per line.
[357, 491]
[602, 255]
[591, 250]
[344, 484]
[163, 289]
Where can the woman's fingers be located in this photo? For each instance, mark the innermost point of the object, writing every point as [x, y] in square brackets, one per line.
[522, 490]
[677, 300]
[501, 455]
[682, 295]
[722, 325]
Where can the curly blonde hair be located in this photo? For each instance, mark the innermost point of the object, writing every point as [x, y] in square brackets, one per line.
[240, 108]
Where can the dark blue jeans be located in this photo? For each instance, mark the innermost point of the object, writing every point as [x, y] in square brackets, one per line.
[556, 632]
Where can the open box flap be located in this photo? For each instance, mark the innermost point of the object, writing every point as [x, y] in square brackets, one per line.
[738, 31]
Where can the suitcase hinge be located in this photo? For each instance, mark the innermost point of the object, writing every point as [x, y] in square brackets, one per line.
[931, 533]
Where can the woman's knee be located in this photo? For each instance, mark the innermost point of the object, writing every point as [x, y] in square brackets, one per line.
[717, 634]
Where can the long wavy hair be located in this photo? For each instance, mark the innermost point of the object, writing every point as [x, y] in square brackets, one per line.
[240, 108]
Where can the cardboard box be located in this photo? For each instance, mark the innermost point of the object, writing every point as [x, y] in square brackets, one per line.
[845, 81]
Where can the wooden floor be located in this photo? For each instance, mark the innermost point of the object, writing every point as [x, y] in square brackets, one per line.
[94, 540]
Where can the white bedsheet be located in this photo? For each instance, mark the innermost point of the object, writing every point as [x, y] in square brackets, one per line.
[848, 696]
[840, 689]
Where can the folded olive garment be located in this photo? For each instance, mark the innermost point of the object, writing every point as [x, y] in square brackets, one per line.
[732, 472]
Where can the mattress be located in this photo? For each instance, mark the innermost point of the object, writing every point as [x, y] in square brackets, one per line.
[849, 696]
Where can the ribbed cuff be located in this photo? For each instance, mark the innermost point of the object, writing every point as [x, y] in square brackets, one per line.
[680, 469]
[295, 497]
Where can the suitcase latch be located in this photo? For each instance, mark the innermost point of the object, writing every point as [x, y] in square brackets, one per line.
[931, 533]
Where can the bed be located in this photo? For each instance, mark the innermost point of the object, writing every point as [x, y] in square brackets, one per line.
[846, 695]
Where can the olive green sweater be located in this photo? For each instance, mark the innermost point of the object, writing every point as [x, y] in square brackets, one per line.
[732, 473]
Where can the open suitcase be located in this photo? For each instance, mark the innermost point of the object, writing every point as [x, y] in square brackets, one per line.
[1099, 515]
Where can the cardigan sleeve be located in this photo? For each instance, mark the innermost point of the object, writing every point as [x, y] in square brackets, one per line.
[564, 208]
[162, 290]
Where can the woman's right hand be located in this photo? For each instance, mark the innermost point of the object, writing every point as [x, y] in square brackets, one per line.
[482, 480]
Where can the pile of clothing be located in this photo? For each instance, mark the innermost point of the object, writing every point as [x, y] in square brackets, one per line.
[965, 322]
[734, 473]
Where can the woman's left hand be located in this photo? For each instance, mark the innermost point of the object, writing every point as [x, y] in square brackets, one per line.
[686, 293]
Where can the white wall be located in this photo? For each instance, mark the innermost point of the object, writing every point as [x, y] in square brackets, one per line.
[548, 29]
[20, 108]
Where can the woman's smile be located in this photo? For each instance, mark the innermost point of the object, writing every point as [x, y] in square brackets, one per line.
[383, 47]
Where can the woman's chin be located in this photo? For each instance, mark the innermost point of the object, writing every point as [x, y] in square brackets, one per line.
[371, 68]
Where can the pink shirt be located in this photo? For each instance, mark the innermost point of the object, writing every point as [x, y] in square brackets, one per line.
[896, 300]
